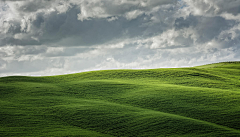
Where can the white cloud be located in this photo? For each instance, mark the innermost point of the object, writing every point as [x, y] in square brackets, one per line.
[133, 14]
[213, 7]
[57, 37]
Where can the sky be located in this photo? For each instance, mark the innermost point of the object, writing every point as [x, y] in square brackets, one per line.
[55, 37]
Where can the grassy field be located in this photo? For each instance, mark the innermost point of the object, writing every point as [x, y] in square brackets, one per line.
[196, 101]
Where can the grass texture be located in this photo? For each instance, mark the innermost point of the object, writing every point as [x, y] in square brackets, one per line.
[196, 101]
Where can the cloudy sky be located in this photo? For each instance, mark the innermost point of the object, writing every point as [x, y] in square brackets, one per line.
[52, 37]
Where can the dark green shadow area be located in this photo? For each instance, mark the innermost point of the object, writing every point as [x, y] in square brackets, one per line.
[197, 101]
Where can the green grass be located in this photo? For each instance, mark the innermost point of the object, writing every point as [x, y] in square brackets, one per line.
[197, 101]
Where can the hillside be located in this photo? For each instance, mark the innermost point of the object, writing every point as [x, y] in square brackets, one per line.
[196, 101]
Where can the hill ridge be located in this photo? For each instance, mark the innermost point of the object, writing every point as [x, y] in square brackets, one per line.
[154, 102]
[170, 114]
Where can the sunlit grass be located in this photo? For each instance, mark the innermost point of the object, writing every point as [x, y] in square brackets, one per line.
[197, 101]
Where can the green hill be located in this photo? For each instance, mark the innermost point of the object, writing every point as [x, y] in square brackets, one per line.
[196, 101]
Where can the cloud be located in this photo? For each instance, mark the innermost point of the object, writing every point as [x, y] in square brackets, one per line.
[40, 37]
[213, 7]
[105, 8]
[205, 28]
[45, 22]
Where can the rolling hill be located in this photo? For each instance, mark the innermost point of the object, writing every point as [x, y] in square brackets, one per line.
[195, 101]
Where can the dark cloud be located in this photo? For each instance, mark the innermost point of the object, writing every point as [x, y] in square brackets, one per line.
[33, 5]
[209, 28]
[181, 23]
[48, 35]
[230, 6]
[206, 28]
[65, 28]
